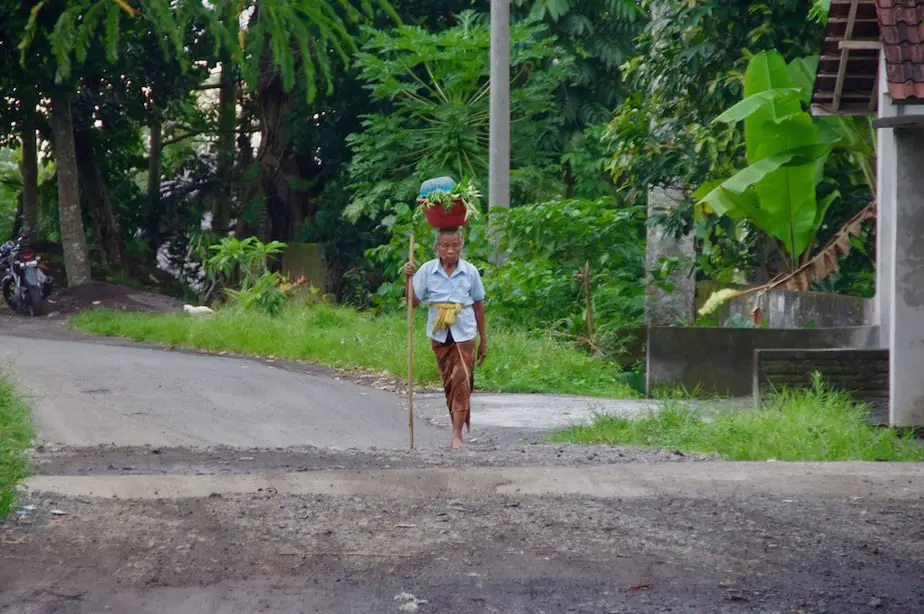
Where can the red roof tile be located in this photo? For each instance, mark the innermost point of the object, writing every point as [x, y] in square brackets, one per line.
[901, 28]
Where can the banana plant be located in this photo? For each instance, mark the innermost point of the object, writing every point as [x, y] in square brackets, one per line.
[786, 150]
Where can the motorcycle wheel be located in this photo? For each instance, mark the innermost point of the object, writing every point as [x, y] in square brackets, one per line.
[35, 301]
[8, 294]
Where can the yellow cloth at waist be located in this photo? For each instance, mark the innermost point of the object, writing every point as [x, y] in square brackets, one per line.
[445, 315]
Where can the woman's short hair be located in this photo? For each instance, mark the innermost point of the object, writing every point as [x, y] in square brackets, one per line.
[446, 232]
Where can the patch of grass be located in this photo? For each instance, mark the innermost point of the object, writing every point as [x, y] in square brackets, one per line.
[343, 337]
[15, 438]
[817, 424]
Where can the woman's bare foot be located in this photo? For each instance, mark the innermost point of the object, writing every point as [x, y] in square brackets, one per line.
[458, 420]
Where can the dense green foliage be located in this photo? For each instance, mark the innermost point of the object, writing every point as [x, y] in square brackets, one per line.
[688, 68]
[435, 120]
[538, 287]
[317, 121]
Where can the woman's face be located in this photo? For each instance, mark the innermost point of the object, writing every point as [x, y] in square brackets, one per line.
[449, 248]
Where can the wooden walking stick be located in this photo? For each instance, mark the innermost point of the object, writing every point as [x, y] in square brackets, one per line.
[409, 289]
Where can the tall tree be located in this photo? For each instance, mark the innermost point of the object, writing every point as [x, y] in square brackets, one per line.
[30, 204]
[285, 39]
[229, 12]
[73, 237]
[600, 36]
[59, 35]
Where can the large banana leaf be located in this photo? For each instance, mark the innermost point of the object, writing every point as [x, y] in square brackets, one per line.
[802, 71]
[758, 103]
[788, 193]
[739, 197]
[750, 176]
[785, 150]
[802, 77]
[765, 72]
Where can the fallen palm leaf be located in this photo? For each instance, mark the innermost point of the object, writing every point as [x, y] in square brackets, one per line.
[827, 260]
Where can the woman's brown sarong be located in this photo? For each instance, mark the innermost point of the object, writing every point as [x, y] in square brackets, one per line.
[456, 362]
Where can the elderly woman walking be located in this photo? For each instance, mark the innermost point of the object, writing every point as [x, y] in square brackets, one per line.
[453, 289]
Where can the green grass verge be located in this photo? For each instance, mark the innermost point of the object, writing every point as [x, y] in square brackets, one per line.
[15, 438]
[807, 425]
[343, 337]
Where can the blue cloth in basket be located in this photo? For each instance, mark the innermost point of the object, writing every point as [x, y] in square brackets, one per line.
[439, 183]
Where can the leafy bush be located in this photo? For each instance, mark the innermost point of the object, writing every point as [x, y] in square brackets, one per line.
[264, 295]
[241, 266]
[241, 261]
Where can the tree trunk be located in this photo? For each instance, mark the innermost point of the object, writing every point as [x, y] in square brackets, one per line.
[153, 213]
[569, 181]
[246, 224]
[283, 204]
[97, 195]
[73, 239]
[17, 219]
[30, 179]
[227, 126]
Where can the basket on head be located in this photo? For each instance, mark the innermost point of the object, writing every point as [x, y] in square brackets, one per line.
[439, 217]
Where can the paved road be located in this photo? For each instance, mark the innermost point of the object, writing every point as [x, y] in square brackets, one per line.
[88, 394]
[843, 480]
[531, 413]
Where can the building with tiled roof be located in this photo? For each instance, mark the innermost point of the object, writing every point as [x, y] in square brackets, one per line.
[857, 34]
[872, 63]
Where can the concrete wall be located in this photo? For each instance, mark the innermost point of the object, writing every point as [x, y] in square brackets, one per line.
[906, 279]
[863, 373]
[885, 209]
[721, 360]
[787, 309]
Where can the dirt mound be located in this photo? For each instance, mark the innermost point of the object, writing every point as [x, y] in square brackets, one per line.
[100, 295]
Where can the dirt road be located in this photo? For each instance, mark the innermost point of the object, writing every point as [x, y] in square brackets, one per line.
[746, 544]
[263, 522]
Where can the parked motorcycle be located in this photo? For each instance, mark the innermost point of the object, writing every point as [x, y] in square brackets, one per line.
[25, 283]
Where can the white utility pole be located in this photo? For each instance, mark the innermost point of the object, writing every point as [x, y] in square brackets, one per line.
[499, 142]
